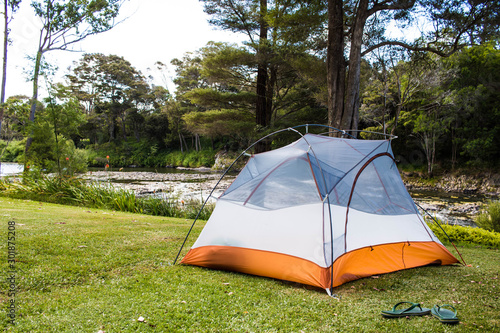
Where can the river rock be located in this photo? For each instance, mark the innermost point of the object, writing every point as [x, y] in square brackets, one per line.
[485, 183]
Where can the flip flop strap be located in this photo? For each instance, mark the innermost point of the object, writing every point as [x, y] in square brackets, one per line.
[447, 305]
[413, 305]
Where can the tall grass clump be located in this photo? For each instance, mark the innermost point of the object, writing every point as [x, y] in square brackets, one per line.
[155, 206]
[192, 209]
[489, 218]
[63, 190]
[78, 192]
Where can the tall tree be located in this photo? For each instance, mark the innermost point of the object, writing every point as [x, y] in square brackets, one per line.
[109, 85]
[64, 120]
[10, 7]
[64, 23]
[261, 115]
[248, 17]
[225, 91]
[362, 24]
[188, 78]
[277, 31]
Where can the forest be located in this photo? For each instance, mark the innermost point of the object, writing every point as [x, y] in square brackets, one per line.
[304, 62]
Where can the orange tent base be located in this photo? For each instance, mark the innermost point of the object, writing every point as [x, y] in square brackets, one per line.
[350, 266]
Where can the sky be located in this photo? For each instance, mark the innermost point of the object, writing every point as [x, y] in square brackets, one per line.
[150, 31]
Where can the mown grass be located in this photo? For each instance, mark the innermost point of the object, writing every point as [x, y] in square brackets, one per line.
[85, 270]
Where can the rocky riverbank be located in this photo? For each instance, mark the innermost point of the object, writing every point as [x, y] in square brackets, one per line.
[484, 183]
[454, 199]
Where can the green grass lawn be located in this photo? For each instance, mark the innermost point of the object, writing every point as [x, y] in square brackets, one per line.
[86, 270]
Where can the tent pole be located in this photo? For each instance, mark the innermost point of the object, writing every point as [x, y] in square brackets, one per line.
[327, 199]
[439, 224]
[204, 204]
[220, 179]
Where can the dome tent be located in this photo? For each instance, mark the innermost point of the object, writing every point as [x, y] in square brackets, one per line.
[320, 211]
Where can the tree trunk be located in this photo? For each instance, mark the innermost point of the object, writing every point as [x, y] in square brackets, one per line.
[350, 116]
[396, 118]
[111, 126]
[335, 63]
[270, 92]
[124, 125]
[137, 132]
[260, 107]
[34, 99]
[180, 141]
[4, 67]
[4, 64]
[454, 147]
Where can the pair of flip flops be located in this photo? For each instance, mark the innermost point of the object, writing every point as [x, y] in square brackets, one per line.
[415, 309]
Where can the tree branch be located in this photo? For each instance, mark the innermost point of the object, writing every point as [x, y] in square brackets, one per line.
[455, 48]
[391, 5]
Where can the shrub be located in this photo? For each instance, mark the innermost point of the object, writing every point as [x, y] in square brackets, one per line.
[489, 218]
[466, 235]
[12, 151]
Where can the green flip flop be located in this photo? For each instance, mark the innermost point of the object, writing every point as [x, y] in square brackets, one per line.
[413, 310]
[444, 315]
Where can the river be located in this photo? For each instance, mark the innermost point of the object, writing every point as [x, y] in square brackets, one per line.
[8, 169]
[186, 184]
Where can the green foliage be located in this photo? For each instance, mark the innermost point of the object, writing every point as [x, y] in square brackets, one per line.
[65, 118]
[477, 101]
[192, 159]
[159, 206]
[146, 154]
[72, 160]
[71, 20]
[12, 151]
[222, 122]
[450, 105]
[193, 209]
[15, 117]
[489, 218]
[62, 157]
[466, 235]
[140, 154]
[42, 153]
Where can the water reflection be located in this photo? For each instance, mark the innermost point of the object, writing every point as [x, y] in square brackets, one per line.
[450, 207]
[9, 169]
